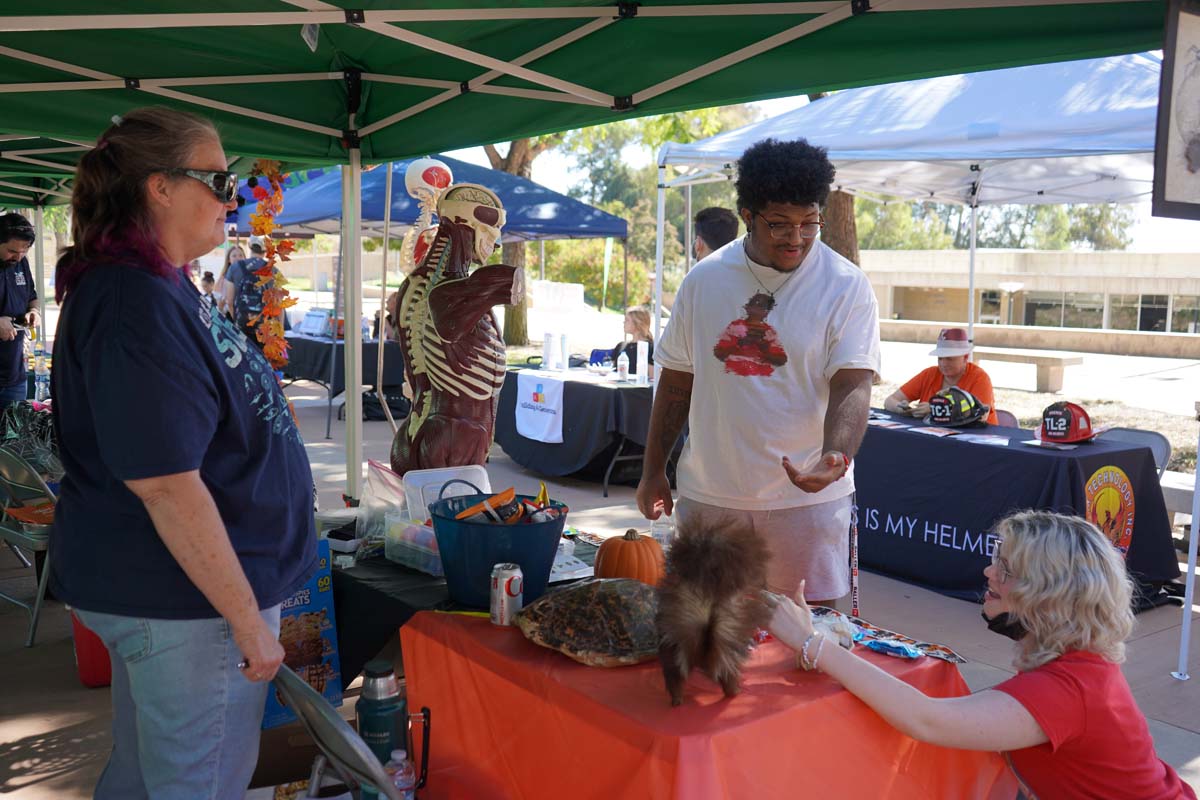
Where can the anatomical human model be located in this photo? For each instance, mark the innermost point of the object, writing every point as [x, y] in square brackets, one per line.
[453, 351]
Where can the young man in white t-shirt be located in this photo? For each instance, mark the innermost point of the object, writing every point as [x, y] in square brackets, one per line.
[768, 357]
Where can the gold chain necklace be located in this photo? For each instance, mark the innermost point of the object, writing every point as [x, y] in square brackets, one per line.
[792, 274]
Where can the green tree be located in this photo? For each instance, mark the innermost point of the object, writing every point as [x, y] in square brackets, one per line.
[1101, 227]
[602, 152]
[900, 226]
[931, 226]
[597, 152]
[519, 161]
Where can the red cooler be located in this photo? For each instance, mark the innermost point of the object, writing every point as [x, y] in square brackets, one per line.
[91, 656]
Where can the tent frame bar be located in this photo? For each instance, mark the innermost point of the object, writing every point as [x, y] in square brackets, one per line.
[476, 84]
[372, 18]
[37, 190]
[164, 92]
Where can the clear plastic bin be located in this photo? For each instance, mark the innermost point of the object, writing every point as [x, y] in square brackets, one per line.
[412, 544]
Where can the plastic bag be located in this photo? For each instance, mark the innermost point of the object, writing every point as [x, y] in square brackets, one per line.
[384, 495]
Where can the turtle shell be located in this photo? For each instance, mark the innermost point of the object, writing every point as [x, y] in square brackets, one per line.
[605, 622]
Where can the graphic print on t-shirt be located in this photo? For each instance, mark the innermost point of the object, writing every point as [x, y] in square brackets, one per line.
[258, 378]
[749, 346]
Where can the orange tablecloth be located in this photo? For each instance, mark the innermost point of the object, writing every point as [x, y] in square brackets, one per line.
[514, 720]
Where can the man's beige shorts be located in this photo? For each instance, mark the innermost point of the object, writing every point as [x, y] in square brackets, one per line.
[809, 542]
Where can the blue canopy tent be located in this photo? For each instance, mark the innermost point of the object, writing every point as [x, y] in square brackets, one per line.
[534, 212]
[314, 201]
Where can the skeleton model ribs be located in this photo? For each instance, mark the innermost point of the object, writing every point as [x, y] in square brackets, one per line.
[453, 352]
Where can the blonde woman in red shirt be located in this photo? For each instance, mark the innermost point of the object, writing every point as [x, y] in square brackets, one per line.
[1067, 722]
[954, 368]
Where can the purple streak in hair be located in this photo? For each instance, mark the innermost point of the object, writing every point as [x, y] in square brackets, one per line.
[130, 247]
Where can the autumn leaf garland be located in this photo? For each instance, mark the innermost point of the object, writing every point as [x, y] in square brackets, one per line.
[268, 323]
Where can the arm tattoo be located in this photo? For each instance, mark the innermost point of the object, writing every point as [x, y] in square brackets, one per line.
[674, 418]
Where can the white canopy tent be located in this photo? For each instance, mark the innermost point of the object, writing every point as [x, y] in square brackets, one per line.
[1071, 132]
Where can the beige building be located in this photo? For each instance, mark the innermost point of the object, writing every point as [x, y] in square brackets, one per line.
[1099, 290]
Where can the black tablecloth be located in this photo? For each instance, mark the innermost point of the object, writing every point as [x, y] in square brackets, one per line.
[926, 504]
[595, 417]
[308, 359]
[372, 599]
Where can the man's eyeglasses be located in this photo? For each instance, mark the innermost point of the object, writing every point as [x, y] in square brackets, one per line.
[223, 184]
[783, 230]
[1003, 572]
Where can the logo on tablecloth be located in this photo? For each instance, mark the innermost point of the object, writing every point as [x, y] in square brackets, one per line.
[539, 394]
[1110, 505]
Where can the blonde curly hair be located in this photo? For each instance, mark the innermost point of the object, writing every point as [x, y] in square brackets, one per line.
[1070, 591]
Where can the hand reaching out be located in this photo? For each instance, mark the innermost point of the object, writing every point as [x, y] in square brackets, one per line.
[832, 466]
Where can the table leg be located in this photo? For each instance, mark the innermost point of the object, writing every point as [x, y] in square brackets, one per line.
[1049, 378]
[616, 457]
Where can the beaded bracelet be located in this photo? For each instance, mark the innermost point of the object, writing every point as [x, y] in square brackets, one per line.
[817, 655]
[804, 662]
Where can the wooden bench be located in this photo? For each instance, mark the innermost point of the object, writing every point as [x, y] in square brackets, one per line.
[1050, 364]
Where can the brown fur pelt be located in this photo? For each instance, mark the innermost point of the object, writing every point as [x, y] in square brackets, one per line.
[709, 604]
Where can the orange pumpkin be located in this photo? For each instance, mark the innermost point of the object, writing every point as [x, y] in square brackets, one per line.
[631, 556]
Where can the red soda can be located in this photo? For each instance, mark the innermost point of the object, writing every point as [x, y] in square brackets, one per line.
[508, 589]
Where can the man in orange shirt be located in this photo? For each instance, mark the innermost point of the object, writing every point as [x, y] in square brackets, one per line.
[954, 368]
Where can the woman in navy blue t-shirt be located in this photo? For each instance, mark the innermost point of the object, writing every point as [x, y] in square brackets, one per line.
[185, 515]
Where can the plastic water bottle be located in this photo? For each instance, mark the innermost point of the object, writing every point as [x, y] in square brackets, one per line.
[662, 530]
[623, 367]
[402, 773]
[41, 373]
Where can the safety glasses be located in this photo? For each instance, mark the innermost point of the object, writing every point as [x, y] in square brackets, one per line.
[222, 184]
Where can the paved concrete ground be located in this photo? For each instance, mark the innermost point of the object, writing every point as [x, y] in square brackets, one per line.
[54, 733]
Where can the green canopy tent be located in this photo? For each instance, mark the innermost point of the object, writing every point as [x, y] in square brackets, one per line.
[312, 82]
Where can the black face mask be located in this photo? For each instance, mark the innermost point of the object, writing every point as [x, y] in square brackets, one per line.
[1005, 624]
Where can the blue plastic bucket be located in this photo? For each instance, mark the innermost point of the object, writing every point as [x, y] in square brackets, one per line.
[470, 549]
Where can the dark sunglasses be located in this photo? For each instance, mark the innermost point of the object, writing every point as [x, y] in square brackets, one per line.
[223, 184]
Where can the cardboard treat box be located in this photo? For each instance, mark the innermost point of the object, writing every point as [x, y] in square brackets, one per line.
[308, 634]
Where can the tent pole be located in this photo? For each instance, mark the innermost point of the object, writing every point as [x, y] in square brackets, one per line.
[316, 291]
[690, 235]
[1189, 591]
[971, 278]
[337, 288]
[658, 250]
[353, 303]
[625, 294]
[381, 340]
[39, 259]
[541, 259]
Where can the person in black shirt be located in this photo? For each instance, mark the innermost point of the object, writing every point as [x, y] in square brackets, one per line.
[637, 326]
[18, 306]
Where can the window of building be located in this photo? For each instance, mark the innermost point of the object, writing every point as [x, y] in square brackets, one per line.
[1044, 309]
[1185, 316]
[1083, 310]
[1152, 315]
[1123, 312]
[989, 306]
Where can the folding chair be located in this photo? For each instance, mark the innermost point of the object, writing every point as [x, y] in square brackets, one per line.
[343, 749]
[1006, 419]
[25, 518]
[1159, 445]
